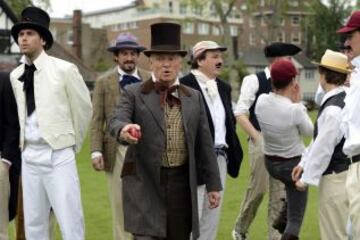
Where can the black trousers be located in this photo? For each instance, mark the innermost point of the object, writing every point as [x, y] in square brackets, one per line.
[281, 168]
[177, 195]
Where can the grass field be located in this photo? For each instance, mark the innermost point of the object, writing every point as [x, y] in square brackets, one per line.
[98, 216]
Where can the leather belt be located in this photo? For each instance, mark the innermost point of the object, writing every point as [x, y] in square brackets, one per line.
[337, 169]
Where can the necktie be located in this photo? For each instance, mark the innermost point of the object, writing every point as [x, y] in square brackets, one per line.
[28, 79]
[166, 94]
[128, 79]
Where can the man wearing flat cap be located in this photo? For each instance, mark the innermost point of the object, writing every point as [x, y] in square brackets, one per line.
[206, 66]
[170, 145]
[252, 86]
[107, 155]
[54, 110]
[351, 122]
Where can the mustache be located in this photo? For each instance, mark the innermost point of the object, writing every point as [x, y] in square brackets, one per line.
[126, 62]
[218, 65]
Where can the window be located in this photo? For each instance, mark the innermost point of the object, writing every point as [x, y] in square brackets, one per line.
[188, 28]
[197, 10]
[282, 21]
[203, 28]
[70, 37]
[262, 3]
[183, 8]
[309, 74]
[280, 37]
[215, 30]
[132, 25]
[295, 20]
[293, 3]
[296, 37]
[233, 31]
[252, 39]
[170, 7]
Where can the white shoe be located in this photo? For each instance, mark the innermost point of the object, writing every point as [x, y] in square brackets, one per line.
[238, 236]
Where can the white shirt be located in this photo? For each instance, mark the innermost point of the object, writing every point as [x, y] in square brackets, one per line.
[350, 123]
[317, 156]
[122, 73]
[249, 88]
[283, 123]
[216, 107]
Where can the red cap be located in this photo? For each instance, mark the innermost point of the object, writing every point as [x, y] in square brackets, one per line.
[352, 24]
[282, 70]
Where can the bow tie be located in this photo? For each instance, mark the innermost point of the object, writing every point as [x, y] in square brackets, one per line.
[128, 79]
[28, 79]
[166, 94]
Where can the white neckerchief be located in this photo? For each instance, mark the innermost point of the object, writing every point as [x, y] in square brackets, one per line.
[210, 84]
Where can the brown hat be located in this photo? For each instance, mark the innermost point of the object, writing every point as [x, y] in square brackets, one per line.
[37, 19]
[165, 38]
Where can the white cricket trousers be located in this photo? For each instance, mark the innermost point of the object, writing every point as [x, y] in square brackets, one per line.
[56, 187]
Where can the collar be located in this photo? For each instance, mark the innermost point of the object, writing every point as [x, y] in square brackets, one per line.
[39, 62]
[356, 62]
[134, 74]
[201, 77]
[331, 93]
[148, 86]
[267, 72]
[280, 97]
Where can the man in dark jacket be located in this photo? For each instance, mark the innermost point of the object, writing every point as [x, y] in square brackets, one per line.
[206, 66]
[10, 154]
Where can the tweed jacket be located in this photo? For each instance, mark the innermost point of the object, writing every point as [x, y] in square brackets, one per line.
[105, 97]
[143, 196]
[62, 100]
[234, 151]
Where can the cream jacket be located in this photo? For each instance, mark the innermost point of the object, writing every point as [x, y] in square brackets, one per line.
[62, 101]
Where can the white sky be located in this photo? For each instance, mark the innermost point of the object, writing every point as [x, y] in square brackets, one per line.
[60, 8]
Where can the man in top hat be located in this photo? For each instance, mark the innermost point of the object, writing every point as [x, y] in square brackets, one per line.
[206, 65]
[54, 110]
[351, 122]
[252, 86]
[324, 164]
[106, 153]
[170, 146]
[10, 162]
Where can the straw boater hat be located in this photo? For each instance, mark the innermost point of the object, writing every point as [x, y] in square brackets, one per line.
[335, 61]
[126, 41]
[165, 38]
[36, 19]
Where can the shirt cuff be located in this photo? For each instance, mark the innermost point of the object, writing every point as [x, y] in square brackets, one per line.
[96, 154]
[6, 161]
[309, 181]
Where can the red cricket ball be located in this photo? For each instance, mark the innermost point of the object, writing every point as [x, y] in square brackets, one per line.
[135, 133]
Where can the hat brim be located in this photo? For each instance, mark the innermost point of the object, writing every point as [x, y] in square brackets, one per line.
[117, 48]
[152, 51]
[347, 29]
[44, 32]
[336, 69]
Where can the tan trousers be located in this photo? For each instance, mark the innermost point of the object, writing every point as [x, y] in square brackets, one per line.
[4, 201]
[115, 195]
[333, 207]
[259, 183]
[353, 192]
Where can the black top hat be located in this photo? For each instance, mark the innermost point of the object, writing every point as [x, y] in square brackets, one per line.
[165, 38]
[126, 41]
[36, 19]
[279, 49]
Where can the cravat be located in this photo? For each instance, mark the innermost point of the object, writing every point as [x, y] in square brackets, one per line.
[128, 79]
[28, 79]
[166, 94]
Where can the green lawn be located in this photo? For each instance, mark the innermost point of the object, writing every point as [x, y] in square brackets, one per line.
[97, 209]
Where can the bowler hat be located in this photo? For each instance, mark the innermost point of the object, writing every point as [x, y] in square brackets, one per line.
[165, 38]
[335, 61]
[283, 70]
[126, 41]
[279, 49]
[37, 19]
[352, 24]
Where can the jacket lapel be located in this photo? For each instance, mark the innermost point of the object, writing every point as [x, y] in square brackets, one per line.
[152, 102]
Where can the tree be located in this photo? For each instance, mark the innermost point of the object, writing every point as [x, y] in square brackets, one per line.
[18, 5]
[322, 24]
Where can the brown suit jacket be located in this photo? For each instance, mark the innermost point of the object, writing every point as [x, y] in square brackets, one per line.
[105, 97]
[143, 195]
